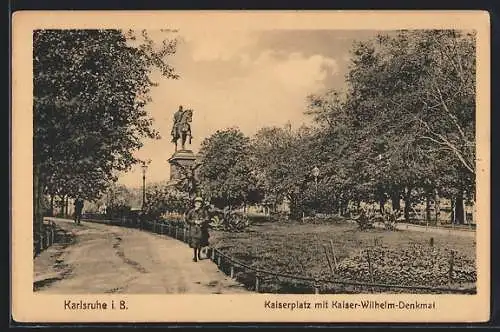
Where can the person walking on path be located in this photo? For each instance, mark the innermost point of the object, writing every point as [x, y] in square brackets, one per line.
[198, 219]
[78, 209]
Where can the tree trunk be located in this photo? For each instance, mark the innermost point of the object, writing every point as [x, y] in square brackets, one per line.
[35, 200]
[37, 196]
[473, 201]
[344, 207]
[452, 212]
[437, 206]
[61, 206]
[459, 209]
[407, 199]
[66, 203]
[341, 208]
[428, 208]
[396, 200]
[296, 209]
[51, 205]
[464, 202]
[382, 205]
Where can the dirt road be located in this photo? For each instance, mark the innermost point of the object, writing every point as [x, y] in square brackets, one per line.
[112, 259]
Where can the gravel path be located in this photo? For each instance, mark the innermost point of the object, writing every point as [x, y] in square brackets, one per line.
[99, 258]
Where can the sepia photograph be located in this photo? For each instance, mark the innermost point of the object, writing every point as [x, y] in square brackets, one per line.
[180, 159]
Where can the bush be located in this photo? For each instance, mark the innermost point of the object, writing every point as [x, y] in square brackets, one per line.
[217, 223]
[365, 219]
[118, 211]
[390, 219]
[163, 200]
[172, 218]
[236, 221]
[228, 220]
[259, 219]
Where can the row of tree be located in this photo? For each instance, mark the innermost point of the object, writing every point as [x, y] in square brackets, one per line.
[403, 129]
[90, 89]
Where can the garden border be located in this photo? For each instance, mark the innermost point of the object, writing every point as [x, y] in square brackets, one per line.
[174, 231]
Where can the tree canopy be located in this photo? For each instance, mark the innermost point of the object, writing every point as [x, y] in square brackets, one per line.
[407, 119]
[226, 175]
[404, 127]
[90, 89]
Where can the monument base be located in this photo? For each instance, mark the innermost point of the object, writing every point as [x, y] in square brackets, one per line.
[184, 158]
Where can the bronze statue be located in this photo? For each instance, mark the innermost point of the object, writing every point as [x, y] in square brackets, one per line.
[182, 128]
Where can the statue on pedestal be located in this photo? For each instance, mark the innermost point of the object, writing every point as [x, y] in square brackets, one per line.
[182, 127]
[182, 160]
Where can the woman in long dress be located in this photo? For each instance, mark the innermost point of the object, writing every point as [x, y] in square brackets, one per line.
[198, 219]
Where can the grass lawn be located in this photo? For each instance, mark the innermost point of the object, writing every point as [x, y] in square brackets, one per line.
[379, 256]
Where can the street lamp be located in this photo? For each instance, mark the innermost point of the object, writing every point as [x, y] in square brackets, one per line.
[144, 167]
[315, 173]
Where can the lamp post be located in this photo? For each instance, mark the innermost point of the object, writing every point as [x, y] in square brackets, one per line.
[315, 173]
[144, 167]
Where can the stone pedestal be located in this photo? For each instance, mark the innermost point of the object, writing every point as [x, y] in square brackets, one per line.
[184, 158]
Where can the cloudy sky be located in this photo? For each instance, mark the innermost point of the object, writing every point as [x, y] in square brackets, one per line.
[248, 79]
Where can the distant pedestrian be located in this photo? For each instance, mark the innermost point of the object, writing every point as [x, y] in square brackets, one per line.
[78, 209]
[198, 219]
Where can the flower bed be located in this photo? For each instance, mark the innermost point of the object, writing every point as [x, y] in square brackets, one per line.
[403, 258]
[414, 266]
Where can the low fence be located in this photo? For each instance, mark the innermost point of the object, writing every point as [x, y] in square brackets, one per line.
[44, 239]
[254, 278]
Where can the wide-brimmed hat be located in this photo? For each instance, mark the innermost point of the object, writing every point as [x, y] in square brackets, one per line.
[198, 199]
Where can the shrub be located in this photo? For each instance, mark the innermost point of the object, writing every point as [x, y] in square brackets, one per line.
[365, 219]
[229, 220]
[117, 211]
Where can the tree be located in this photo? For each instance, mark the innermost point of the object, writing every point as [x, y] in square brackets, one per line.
[283, 161]
[415, 91]
[90, 89]
[378, 77]
[267, 153]
[161, 199]
[118, 200]
[343, 178]
[406, 120]
[225, 173]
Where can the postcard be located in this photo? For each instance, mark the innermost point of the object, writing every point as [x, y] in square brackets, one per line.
[250, 166]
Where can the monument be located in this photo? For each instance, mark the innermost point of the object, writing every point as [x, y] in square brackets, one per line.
[183, 159]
